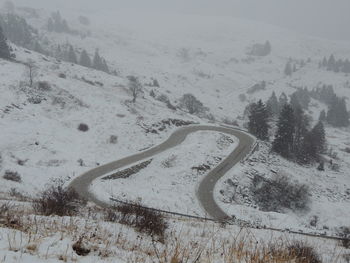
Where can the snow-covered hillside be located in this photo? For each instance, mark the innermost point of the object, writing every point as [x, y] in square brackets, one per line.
[206, 56]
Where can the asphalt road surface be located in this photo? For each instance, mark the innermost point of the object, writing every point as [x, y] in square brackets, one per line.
[205, 192]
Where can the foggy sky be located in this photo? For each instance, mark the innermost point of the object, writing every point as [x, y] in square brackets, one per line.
[323, 18]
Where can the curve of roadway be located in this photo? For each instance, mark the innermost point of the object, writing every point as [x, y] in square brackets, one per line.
[205, 191]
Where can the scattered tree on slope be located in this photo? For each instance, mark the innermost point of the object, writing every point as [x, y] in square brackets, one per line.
[258, 120]
[5, 50]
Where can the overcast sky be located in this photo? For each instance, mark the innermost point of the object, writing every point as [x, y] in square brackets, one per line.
[324, 18]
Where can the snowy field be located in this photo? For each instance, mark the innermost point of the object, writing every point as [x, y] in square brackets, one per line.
[170, 182]
[206, 56]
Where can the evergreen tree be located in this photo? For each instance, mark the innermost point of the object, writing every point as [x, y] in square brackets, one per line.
[300, 132]
[104, 66]
[85, 59]
[258, 120]
[72, 57]
[282, 101]
[324, 62]
[294, 68]
[319, 137]
[346, 67]
[272, 105]
[314, 144]
[267, 47]
[331, 63]
[323, 116]
[284, 138]
[288, 70]
[50, 25]
[5, 50]
[338, 115]
[97, 61]
[100, 63]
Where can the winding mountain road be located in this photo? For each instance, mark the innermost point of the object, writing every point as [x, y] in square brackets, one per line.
[205, 192]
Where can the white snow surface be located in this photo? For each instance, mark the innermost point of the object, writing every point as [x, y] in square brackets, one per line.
[205, 56]
[169, 182]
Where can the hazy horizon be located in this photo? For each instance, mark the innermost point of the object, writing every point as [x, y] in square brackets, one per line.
[321, 18]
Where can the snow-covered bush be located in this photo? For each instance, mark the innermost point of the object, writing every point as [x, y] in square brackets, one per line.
[279, 194]
[190, 103]
[113, 139]
[83, 127]
[12, 176]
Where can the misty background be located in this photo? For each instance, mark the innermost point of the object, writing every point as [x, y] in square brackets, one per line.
[323, 18]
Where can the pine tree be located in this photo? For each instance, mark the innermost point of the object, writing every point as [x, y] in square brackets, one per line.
[258, 120]
[319, 137]
[338, 115]
[97, 61]
[272, 105]
[288, 70]
[331, 63]
[323, 116]
[314, 144]
[267, 47]
[85, 59]
[346, 67]
[300, 132]
[324, 62]
[282, 101]
[104, 66]
[72, 57]
[283, 142]
[50, 25]
[5, 50]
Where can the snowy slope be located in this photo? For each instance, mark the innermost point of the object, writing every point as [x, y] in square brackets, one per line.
[206, 56]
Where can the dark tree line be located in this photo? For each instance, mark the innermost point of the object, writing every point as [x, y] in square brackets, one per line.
[68, 53]
[261, 49]
[258, 120]
[5, 49]
[337, 114]
[294, 139]
[57, 24]
[17, 30]
[335, 65]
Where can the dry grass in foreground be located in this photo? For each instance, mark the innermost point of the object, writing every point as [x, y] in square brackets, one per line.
[74, 238]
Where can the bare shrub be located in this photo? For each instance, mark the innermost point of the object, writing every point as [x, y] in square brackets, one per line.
[80, 248]
[297, 252]
[62, 76]
[113, 139]
[83, 127]
[257, 87]
[344, 232]
[16, 194]
[44, 86]
[229, 121]
[163, 98]
[347, 150]
[169, 162]
[84, 20]
[279, 194]
[143, 219]
[12, 176]
[57, 200]
[190, 103]
[242, 97]
[31, 72]
[135, 87]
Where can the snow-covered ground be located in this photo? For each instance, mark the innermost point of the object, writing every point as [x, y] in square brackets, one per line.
[205, 56]
[170, 182]
[329, 190]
